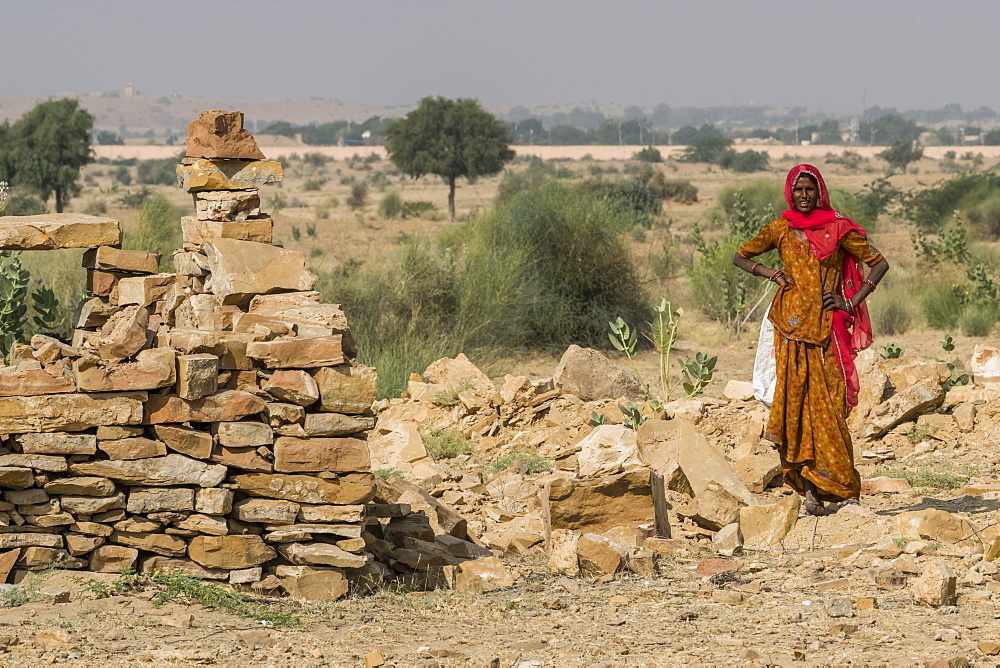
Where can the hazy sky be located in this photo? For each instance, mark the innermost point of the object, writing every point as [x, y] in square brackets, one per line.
[826, 54]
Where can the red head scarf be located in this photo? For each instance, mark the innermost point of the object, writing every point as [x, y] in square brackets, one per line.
[825, 228]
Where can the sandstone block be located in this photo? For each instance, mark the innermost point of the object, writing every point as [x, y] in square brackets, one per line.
[337, 455]
[133, 448]
[93, 313]
[266, 511]
[190, 442]
[81, 486]
[306, 489]
[220, 174]
[883, 485]
[294, 353]
[113, 559]
[590, 375]
[78, 545]
[343, 389]
[738, 390]
[153, 500]
[20, 381]
[124, 334]
[320, 554]
[196, 230]
[245, 434]
[243, 459]
[936, 525]
[269, 303]
[172, 469]
[104, 284]
[936, 585]
[331, 514]
[108, 258]
[657, 442]
[51, 231]
[483, 574]
[242, 269]
[69, 412]
[213, 501]
[336, 424]
[702, 464]
[757, 471]
[57, 444]
[207, 524]
[220, 134]
[117, 432]
[294, 386]
[144, 290]
[985, 363]
[91, 505]
[226, 406]
[198, 311]
[229, 552]
[152, 369]
[157, 543]
[316, 585]
[913, 400]
[16, 478]
[714, 507]
[226, 205]
[599, 556]
[728, 540]
[37, 558]
[599, 504]
[608, 449]
[197, 375]
[246, 575]
[561, 550]
[12, 540]
[281, 414]
[766, 526]
[169, 566]
[229, 347]
[48, 463]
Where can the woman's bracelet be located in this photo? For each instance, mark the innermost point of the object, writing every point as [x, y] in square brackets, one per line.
[869, 284]
[850, 306]
[753, 269]
[776, 275]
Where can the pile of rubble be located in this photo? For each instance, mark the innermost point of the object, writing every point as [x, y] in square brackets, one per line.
[696, 476]
[209, 421]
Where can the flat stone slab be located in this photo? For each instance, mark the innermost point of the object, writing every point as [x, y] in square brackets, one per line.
[69, 412]
[52, 231]
[203, 174]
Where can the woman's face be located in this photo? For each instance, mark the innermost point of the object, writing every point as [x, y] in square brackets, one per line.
[805, 195]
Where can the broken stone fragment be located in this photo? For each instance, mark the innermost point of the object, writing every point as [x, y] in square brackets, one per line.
[226, 205]
[608, 449]
[113, 559]
[936, 585]
[190, 442]
[296, 353]
[220, 134]
[91, 505]
[52, 231]
[197, 375]
[346, 389]
[937, 525]
[913, 400]
[213, 501]
[124, 334]
[243, 459]
[259, 229]
[599, 556]
[267, 511]
[294, 386]
[225, 406]
[186, 567]
[714, 507]
[152, 369]
[93, 312]
[243, 269]
[20, 381]
[157, 543]
[336, 424]
[306, 455]
[132, 448]
[172, 469]
[765, 526]
[702, 463]
[220, 174]
[229, 347]
[81, 486]
[108, 258]
[247, 434]
[144, 290]
[588, 374]
[105, 283]
[598, 504]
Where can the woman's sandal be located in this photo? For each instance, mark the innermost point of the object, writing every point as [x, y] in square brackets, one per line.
[813, 507]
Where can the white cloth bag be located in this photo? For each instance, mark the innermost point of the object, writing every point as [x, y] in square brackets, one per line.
[764, 368]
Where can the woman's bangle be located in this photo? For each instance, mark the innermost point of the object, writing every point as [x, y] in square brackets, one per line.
[850, 306]
[776, 275]
[753, 269]
[869, 284]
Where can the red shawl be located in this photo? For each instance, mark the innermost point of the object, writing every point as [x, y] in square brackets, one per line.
[825, 228]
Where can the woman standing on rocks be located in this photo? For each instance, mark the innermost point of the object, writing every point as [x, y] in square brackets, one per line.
[820, 323]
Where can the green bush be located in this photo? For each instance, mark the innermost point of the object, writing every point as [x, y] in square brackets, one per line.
[891, 314]
[931, 209]
[942, 308]
[648, 154]
[161, 172]
[763, 195]
[978, 320]
[359, 195]
[446, 443]
[632, 198]
[421, 209]
[390, 206]
[531, 462]
[313, 185]
[158, 229]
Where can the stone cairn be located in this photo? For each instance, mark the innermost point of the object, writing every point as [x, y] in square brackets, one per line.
[211, 421]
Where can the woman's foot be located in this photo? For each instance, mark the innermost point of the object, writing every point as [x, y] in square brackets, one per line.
[812, 504]
[839, 505]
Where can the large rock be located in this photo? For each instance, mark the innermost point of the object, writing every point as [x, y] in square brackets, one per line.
[714, 507]
[226, 205]
[172, 469]
[243, 269]
[561, 550]
[124, 333]
[320, 554]
[590, 375]
[765, 526]
[190, 442]
[57, 444]
[608, 449]
[599, 556]
[52, 231]
[306, 455]
[657, 442]
[152, 369]
[229, 552]
[220, 134]
[316, 585]
[336, 424]
[26, 380]
[195, 230]
[985, 363]
[69, 412]
[197, 175]
[294, 386]
[906, 404]
[113, 559]
[226, 406]
[144, 290]
[599, 504]
[758, 470]
[935, 586]
[936, 525]
[701, 464]
[306, 489]
[295, 353]
[346, 389]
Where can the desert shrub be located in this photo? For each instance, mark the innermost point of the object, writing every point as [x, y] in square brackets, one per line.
[891, 314]
[123, 175]
[446, 443]
[421, 209]
[313, 185]
[942, 309]
[931, 209]
[760, 195]
[745, 162]
[391, 205]
[359, 195]
[315, 159]
[347, 180]
[96, 207]
[648, 154]
[159, 172]
[633, 199]
[531, 462]
[23, 204]
[379, 181]
[978, 320]
[157, 229]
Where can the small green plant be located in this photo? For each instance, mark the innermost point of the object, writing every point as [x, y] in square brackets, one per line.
[314, 184]
[390, 206]
[14, 281]
[311, 230]
[919, 433]
[446, 443]
[385, 474]
[276, 203]
[697, 372]
[124, 583]
[13, 597]
[954, 379]
[184, 588]
[663, 337]
[891, 351]
[531, 462]
[900, 542]
[296, 233]
[625, 339]
[649, 154]
[632, 415]
[946, 477]
[449, 395]
[359, 195]
[597, 419]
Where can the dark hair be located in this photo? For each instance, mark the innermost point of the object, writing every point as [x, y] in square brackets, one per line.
[809, 176]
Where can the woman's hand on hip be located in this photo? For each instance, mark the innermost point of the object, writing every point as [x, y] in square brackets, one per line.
[834, 302]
